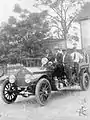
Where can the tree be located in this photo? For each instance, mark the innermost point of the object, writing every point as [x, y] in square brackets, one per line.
[65, 12]
[21, 37]
[23, 13]
[35, 29]
[12, 20]
[17, 8]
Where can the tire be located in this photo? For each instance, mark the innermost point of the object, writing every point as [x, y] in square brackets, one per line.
[43, 91]
[84, 81]
[9, 92]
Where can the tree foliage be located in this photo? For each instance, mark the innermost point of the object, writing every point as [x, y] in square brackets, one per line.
[21, 37]
[17, 8]
[64, 14]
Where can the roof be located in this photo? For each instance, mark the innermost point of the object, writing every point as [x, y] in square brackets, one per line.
[85, 12]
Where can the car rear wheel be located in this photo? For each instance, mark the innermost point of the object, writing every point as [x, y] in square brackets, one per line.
[9, 92]
[43, 91]
[84, 81]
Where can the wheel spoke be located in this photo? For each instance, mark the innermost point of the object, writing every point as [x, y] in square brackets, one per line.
[46, 86]
[13, 95]
[41, 97]
[7, 96]
[6, 86]
[46, 95]
[41, 92]
[6, 89]
[10, 97]
[5, 92]
[9, 85]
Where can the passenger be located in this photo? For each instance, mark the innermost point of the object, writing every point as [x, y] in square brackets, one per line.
[58, 61]
[76, 56]
[68, 63]
[49, 55]
[85, 56]
[58, 55]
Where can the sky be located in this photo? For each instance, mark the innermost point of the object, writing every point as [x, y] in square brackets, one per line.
[6, 7]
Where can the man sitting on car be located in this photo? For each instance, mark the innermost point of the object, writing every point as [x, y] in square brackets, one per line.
[58, 61]
[58, 55]
[67, 63]
[77, 58]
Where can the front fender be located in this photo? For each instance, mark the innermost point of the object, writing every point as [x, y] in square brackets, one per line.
[48, 77]
[3, 78]
[45, 76]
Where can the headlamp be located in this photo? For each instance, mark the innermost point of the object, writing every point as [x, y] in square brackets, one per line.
[12, 79]
[28, 78]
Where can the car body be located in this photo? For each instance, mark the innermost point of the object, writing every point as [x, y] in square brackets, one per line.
[41, 81]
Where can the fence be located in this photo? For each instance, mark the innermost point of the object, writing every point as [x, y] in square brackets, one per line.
[31, 62]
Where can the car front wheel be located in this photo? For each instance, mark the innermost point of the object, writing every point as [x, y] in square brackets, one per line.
[9, 92]
[43, 91]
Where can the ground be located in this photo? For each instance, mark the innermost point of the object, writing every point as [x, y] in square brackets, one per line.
[70, 104]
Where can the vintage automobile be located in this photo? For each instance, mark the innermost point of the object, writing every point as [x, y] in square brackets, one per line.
[41, 81]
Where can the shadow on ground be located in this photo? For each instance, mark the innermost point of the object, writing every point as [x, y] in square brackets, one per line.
[54, 96]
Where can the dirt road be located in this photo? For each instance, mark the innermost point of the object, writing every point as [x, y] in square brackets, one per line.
[65, 105]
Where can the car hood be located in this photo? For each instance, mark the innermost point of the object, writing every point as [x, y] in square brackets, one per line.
[35, 70]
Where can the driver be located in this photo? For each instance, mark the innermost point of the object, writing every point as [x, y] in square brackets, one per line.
[58, 62]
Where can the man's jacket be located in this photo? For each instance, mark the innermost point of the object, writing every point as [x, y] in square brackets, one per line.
[59, 58]
[68, 60]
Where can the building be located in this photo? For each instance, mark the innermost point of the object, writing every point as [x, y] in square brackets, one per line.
[84, 20]
[52, 43]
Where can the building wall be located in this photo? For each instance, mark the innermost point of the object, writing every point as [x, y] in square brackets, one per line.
[60, 44]
[51, 44]
[85, 33]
